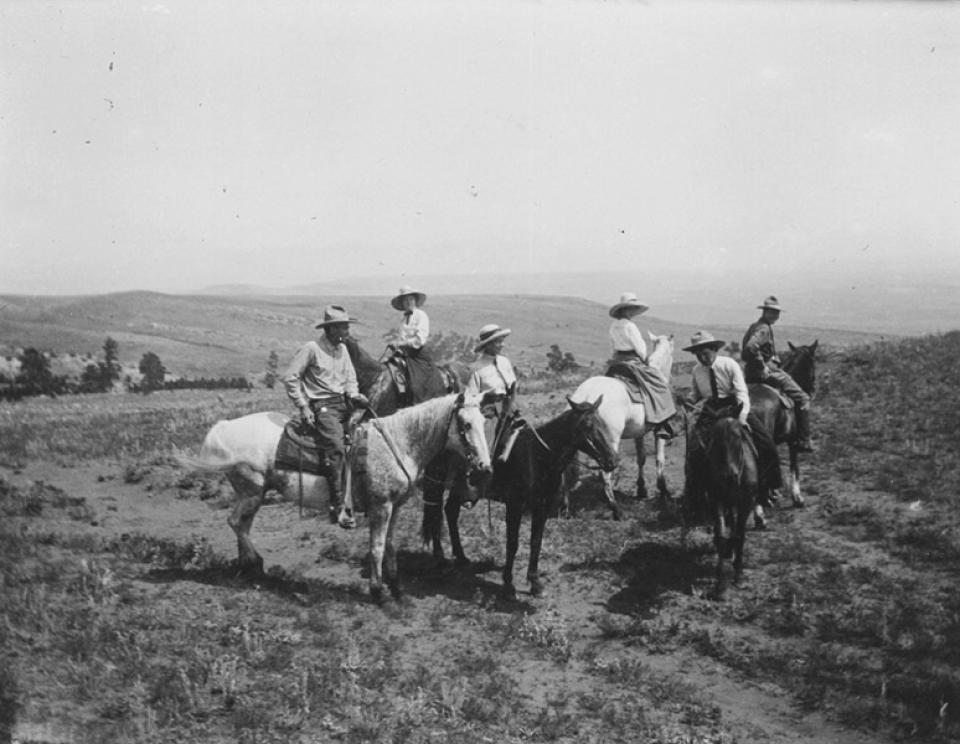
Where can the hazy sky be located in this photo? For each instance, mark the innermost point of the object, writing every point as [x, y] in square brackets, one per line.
[175, 145]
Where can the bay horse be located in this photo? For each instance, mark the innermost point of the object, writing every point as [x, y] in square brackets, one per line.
[780, 421]
[244, 450]
[529, 481]
[733, 481]
[624, 419]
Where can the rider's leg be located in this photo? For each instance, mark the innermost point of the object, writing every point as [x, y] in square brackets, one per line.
[330, 438]
[771, 478]
[781, 380]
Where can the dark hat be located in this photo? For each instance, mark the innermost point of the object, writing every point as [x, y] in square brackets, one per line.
[704, 340]
[335, 314]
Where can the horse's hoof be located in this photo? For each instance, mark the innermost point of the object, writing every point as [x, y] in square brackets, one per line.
[376, 594]
[641, 494]
[509, 592]
[759, 524]
[253, 567]
[536, 589]
[799, 503]
[462, 561]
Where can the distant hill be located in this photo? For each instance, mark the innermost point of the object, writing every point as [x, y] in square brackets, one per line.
[212, 335]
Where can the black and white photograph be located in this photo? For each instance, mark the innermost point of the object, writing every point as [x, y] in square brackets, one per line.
[488, 371]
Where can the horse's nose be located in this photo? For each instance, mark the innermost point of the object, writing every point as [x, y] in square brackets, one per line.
[612, 463]
[480, 476]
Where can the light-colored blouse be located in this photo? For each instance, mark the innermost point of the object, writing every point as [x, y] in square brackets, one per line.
[415, 329]
[491, 373]
[625, 336]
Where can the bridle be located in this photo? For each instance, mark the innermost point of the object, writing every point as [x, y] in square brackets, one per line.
[471, 454]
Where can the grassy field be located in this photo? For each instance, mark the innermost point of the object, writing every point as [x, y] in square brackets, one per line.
[123, 620]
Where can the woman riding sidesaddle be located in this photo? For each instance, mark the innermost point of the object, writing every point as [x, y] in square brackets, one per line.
[630, 363]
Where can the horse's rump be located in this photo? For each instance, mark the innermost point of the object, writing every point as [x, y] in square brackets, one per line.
[773, 409]
[645, 385]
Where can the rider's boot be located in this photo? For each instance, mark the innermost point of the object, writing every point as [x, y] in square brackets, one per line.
[803, 430]
[337, 514]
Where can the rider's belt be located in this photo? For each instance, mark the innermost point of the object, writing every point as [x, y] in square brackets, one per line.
[335, 400]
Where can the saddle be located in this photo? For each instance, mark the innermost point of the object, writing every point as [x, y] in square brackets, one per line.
[785, 401]
[298, 450]
[627, 374]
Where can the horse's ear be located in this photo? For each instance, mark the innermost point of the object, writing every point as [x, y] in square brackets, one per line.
[792, 347]
[813, 346]
[597, 402]
[460, 397]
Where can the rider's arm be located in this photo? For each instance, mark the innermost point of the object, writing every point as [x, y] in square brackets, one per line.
[415, 330]
[636, 339]
[293, 377]
[740, 390]
[350, 386]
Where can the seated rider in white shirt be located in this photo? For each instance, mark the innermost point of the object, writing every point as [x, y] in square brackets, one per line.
[412, 336]
[493, 373]
[718, 382]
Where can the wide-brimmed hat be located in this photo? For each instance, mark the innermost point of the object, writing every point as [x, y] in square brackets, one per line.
[628, 300]
[335, 314]
[488, 333]
[770, 303]
[420, 297]
[704, 340]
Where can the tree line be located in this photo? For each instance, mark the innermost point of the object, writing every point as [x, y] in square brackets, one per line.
[36, 377]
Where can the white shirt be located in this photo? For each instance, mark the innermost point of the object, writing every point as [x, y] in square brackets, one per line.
[625, 336]
[730, 383]
[415, 329]
[491, 373]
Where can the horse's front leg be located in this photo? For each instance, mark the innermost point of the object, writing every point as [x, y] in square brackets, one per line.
[538, 521]
[514, 515]
[379, 516]
[390, 554]
[795, 477]
[641, 450]
[249, 486]
[607, 479]
[662, 487]
[722, 543]
[433, 488]
[452, 511]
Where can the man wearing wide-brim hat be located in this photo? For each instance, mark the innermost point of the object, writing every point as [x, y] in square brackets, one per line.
[718, 383]
[321, 381]
[762, 364]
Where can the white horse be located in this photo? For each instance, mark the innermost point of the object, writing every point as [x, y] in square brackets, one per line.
[245, 448]
[624, 419]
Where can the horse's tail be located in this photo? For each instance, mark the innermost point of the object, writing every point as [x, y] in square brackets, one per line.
[213, 456]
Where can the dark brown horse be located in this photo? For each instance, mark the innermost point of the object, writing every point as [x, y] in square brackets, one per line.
[529, 481]
[765, 402]
[731, 492]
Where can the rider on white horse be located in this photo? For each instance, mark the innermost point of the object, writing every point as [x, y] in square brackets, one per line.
[629, 349]
[321, 381]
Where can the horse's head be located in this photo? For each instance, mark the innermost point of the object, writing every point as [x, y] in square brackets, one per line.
[661, 353]
[589, 434]
[466, 434]
[801, 366]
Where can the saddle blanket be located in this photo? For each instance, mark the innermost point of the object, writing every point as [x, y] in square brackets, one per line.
[297, 449]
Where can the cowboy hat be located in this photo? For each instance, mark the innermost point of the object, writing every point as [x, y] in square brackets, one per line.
[405, 290]
[704, 340]
[628, 300]
[488, 333]
[335, 314]
[770, 303]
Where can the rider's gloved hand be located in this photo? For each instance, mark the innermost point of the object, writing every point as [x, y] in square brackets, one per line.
[307, 416]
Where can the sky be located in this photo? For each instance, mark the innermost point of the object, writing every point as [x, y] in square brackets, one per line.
[176, 145]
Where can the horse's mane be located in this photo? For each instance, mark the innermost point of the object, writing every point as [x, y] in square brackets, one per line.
[422, 422]
[367, 368]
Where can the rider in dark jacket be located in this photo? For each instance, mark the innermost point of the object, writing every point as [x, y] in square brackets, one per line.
[762, 364]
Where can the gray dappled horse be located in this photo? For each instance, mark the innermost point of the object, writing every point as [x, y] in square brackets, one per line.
[780, 421]
[624, 419]
[398, 449]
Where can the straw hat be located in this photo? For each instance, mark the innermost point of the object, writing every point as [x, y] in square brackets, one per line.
[770, 303]
[335, 314]
[405, 291]
[704, 340]
[628, 300]
[488, 333]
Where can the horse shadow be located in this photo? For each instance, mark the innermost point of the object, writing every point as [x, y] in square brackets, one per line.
[290, 587]
[652, 570]
[421, 577]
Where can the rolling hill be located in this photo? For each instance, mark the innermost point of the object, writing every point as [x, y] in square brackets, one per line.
[216, 335]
